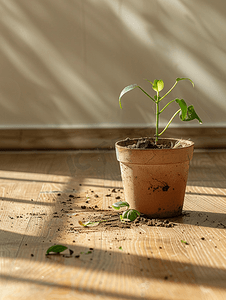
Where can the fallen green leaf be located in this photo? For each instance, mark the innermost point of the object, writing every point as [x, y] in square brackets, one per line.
[186, 243]
[130, 215]
[56, 249]
[120, 204]
[89, 224]
[73, 214]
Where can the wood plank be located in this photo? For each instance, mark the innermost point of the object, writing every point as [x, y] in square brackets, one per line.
[203, 167]
[141, 262]
[102, 138]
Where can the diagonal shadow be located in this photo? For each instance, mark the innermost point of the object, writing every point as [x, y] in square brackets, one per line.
[30, 180]
[76, 288]
[26, 201]
[202, 218]
[145, 267]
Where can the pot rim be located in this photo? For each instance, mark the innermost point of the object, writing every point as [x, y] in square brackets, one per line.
[151, 156]
[187, 142]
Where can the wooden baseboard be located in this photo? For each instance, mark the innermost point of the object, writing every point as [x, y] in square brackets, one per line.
[74, 139]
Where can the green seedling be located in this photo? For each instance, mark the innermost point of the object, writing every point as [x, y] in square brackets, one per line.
[186, 113]
[127, 215]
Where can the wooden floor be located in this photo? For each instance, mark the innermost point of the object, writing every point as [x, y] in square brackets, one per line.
[37, 210]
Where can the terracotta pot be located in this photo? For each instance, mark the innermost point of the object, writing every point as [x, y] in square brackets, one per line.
[154, 180]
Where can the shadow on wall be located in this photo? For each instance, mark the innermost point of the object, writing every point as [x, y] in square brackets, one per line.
[64, 63]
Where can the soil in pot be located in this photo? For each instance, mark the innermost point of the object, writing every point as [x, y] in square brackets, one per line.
[149, 143]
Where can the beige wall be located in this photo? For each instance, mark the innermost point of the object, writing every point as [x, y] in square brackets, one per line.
[63, 63]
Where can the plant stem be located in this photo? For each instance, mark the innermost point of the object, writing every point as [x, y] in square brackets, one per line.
[169, 122]
[146, 93]
[166, 106]
[169, 91]
[157, 119]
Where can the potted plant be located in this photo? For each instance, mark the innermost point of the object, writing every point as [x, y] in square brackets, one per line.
[154, 170]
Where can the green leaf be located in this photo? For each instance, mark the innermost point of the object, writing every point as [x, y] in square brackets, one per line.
[191, 115]
[130, 214]
[56, 249]
[120, 248]
[184, 242]
[126, 90]
[158, 85]
[183, 107]
[154, 85]
[120, 204]
[89, 224]
[149, 81]
[179, 79]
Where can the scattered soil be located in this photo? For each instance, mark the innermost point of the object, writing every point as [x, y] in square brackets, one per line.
[86, 207]
[110, 220]
[77, 205]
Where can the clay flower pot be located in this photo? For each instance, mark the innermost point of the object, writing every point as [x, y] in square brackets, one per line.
[154, 180]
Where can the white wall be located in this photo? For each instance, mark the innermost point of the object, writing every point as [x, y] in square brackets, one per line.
[63, 63]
